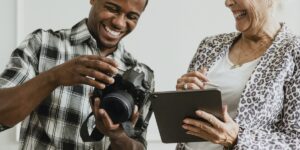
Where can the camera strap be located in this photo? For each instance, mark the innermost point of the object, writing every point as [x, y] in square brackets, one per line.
[128, 128]
[94, 136]
[142, 125]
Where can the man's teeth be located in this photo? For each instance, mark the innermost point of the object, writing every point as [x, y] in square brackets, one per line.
[239, 14]
[114, 33]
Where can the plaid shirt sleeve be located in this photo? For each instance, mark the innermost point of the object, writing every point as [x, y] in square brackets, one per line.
[23, 63]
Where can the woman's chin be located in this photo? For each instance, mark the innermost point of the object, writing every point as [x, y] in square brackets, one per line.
[242, 27]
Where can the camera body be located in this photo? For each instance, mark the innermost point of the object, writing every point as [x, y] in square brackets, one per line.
[129, 89]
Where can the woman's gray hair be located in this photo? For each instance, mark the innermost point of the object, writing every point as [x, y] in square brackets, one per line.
[277, 3]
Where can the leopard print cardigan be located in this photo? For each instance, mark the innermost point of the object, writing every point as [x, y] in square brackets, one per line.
[269, 108]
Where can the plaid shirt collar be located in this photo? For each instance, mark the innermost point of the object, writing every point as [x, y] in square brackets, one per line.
[80, 33]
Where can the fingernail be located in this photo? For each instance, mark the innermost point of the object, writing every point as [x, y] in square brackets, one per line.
[111, 80]
[185, 121]
[116, 71]
[102, 86]
[97, 99]
[198, 112]
[101, 111]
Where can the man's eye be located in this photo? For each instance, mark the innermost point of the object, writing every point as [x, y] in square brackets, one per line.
[112, 9]
[133, 17]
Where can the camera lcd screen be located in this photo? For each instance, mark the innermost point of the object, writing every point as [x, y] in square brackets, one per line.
[171, 107]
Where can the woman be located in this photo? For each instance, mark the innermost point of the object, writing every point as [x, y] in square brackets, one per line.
[258, 73]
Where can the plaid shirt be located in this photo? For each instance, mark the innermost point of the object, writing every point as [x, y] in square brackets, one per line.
[56, 122]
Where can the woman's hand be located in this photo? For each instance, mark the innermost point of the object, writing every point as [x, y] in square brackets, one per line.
[192, 80]
[216, 131]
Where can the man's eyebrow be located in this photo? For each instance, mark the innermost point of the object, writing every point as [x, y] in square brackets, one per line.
[119, 7]
[113, 4]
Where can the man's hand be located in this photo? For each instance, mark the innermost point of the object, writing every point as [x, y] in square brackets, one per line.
[84, 69]
[18, 102]
[105, 125]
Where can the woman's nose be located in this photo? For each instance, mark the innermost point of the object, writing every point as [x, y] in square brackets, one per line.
[229, 3]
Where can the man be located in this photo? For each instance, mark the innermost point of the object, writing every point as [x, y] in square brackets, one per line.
[50, 76]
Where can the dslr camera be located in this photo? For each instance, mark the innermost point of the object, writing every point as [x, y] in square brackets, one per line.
[131, 87]
[118, 99]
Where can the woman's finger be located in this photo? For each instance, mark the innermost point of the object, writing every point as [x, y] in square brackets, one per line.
[197, 126]
[192, 83]
[195, 81]
[201, 135]
[226, 116]
[197, 74]
[210, 118]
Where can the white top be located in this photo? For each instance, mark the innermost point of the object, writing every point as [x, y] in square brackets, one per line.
[231, 83]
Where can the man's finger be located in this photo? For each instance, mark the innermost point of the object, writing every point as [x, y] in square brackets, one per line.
[135, 115]
[96, 105]
[100, 66]
[103, 58]
[101, 76]
[107, 121]
[91, 82]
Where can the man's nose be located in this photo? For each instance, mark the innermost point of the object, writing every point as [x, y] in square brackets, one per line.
[119, 21]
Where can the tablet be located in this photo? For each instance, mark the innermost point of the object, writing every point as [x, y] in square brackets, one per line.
[171, 107]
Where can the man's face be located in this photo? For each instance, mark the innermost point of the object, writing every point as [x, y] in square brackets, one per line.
[110, 20]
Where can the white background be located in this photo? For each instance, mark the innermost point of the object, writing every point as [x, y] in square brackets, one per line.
[166, 37]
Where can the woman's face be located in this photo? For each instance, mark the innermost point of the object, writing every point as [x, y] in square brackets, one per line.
[250, 15]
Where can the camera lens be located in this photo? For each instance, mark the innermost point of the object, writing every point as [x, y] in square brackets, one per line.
[119, 105]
